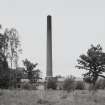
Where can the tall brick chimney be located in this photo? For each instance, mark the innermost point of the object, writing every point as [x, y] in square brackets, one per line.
[49, 72]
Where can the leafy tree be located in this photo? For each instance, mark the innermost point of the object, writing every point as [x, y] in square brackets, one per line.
[33, 74]
[14, 46]
[94, 64]
[9, 48]
[4, 71]
[12, 50]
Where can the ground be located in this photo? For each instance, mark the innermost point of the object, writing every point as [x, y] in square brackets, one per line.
[41, 97]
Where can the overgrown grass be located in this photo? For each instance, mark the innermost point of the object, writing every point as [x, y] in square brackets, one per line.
[51, 97]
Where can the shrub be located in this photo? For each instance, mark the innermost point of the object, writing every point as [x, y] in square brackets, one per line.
[100, 84]
[64, 96]
[69, 83]
[94, 88]
[52, 84]
[80, 85]
[42, 101]
[26, 86]
[4, 74]
[1, 92]
[103, 84]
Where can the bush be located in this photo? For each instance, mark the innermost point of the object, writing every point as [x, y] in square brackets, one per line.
[64, 96]
[4, 82]
[103, 84]
[4, 74]
[69, 83]
[100, 84]
[80, 85]
[26, 86]
[42, 101]
[95, 87]
[52, 84]
[1, 92]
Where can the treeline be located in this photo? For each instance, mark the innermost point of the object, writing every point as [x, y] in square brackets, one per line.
[9, 49]
[93, 62]
[10, 73]
[70, 83]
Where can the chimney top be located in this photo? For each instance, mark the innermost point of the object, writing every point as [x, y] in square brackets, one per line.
[49, 15]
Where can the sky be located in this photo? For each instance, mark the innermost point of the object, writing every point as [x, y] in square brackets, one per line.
[76, 24]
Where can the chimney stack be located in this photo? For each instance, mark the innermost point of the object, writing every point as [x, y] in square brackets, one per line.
[49, 73]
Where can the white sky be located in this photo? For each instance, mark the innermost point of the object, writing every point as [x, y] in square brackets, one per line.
[76, 24]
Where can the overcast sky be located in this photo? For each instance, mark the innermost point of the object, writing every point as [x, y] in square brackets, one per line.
[76, 24]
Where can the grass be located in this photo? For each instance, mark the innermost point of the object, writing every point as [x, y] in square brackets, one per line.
[41, 97]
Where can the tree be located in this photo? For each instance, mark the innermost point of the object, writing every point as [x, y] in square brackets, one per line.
[4, 71]
[33, 74]
[94, 64]
[14, 46]
[9, 48]
[4, 39]
[12, 50]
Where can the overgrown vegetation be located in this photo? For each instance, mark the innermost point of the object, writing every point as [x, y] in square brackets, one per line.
[25, 97]
[52, 84]
[33, 74]
[69, 83]
[100, 84]
[79, 85]
[94, 64]
[4, 71]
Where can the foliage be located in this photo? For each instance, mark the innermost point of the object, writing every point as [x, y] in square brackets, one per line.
[69, 83]
[1, 93]
[52, 83]
[33, 74]
[80, 85]
[26, 86]
[16, 77]
[94, 64]
[100, 84]
[9, 48]
[42, 101]
[13, 46]
[4, 72]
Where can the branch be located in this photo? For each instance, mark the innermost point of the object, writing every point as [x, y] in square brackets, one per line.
[102, 76]
[81, 67]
